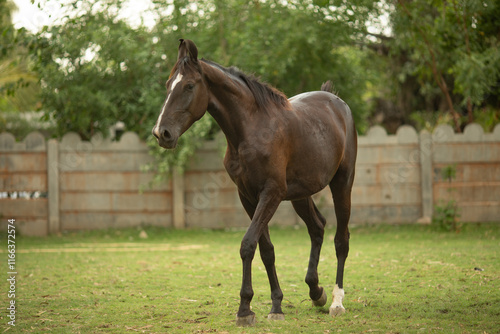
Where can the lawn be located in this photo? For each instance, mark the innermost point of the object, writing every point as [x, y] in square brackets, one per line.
[398, 279]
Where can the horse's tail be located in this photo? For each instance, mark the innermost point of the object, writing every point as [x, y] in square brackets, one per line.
[328, 87]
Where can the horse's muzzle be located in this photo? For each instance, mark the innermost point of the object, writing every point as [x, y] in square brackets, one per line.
[165, 138]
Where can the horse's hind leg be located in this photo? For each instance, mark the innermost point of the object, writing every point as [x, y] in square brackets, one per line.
[341, 186]
[315, 223]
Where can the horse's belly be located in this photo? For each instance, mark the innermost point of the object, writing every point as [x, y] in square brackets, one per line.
[305, 182]
[297, 191]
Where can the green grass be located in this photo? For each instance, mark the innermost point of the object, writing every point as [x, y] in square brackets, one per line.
[399, 279]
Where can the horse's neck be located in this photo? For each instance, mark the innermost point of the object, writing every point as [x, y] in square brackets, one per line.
[229, 102]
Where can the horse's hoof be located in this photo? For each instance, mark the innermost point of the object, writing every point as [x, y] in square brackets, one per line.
[321, 301]
[337, 310]
[275, 316]
[248, 320]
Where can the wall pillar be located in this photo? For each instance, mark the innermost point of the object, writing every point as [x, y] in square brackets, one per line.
[53, 185]
[178, 216]
[425, 144]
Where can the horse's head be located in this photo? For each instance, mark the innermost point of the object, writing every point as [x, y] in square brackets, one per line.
[187, 97]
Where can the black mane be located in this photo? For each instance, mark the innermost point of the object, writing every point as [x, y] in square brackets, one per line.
[263, 93]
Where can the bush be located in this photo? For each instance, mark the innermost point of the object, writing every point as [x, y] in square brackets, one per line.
[446, 214]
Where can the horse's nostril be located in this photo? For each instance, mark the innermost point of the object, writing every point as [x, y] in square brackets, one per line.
[166, 134]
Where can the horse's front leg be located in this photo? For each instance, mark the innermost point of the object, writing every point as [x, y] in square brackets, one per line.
[268, 203]
[268, 258]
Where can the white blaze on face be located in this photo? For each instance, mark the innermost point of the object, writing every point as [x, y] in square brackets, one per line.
[177, 79]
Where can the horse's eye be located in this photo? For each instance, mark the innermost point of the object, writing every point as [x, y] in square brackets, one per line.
[190, 86]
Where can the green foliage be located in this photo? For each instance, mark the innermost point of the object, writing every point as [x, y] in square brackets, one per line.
[96, 70]
[18, 83]
[430, 120]
[446, 214]
[450, 45]
[20, 125]
[477, 74]
[449, 173]
[488, 117]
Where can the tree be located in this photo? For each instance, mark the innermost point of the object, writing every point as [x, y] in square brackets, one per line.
[96, 70]
[18, 84]
[452, 45]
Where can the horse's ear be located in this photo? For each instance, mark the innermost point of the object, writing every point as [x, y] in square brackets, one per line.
[188, 48]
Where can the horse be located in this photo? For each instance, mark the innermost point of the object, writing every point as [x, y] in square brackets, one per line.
[278, 149]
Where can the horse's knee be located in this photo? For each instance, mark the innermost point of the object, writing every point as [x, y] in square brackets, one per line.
[318, 239]
[247, 249]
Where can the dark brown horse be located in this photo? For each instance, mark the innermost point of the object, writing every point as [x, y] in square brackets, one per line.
[277, 149]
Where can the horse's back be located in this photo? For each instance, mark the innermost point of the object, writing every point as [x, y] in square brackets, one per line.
[316, 103]
[323, 117]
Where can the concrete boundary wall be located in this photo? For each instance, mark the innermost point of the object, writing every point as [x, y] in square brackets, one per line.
[50, 186]
[476, 157]
[23, 174]
[84, 184]
[100, 183]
